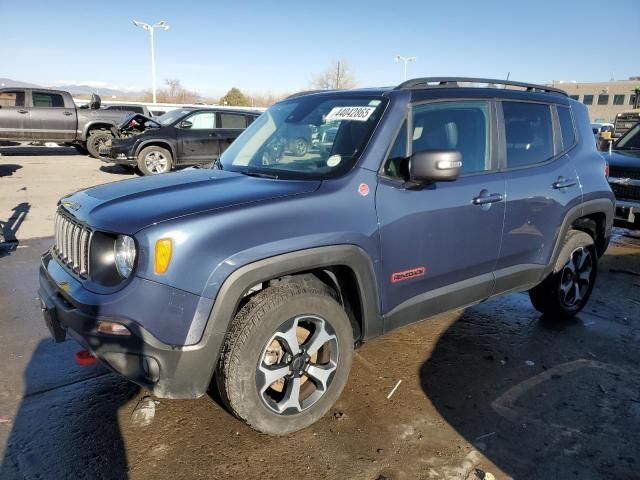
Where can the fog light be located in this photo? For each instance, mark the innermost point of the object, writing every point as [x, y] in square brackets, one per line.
[112, 328]
[121, 156]
[163, 255]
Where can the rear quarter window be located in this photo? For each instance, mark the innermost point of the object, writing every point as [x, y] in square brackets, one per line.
[566, 127]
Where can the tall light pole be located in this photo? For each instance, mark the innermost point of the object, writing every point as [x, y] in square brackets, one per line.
[400, 58]
[164, 26]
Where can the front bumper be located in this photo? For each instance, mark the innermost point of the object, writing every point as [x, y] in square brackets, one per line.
[167, 370]
[120, 152]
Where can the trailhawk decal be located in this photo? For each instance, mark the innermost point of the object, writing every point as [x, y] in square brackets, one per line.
[407, 274]
[358, 114]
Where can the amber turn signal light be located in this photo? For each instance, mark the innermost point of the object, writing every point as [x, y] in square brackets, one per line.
[163, 255]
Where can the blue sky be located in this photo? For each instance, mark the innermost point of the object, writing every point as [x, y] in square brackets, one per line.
[277, 46]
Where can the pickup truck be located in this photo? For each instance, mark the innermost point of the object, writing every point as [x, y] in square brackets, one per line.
[38, 114]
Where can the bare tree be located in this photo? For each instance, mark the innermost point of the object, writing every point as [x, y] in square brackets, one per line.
[338, 75]
[174, 93]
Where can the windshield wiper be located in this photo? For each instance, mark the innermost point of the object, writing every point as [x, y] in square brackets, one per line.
[259, 174]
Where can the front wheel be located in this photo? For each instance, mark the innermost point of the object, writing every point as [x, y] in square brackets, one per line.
[566, 291]
[154, 160]
[96, 140]
[286, 358]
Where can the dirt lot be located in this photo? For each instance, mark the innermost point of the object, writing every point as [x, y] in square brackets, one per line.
[493, 388]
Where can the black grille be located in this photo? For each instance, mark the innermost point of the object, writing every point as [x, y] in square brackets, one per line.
[72, 244]
[624, 172]
[629, 192]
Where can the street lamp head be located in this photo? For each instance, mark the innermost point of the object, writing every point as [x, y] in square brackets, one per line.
[162, 24]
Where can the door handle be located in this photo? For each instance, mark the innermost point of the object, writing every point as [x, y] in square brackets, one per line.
[67, 113]
[489, 198]
[23, 111]
[563, 183]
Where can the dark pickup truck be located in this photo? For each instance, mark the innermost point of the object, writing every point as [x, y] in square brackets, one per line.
[38, 114]
[624, 175]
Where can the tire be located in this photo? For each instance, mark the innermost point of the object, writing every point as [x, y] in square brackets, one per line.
[256, 340]
[154, 160]
[299, 147]
[567, 290]
[95, 139]
[80, 149]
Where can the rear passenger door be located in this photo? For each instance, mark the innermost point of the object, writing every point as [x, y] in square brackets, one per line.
[440, 243]
[14, 117]
[231, 125]
[542, 185]
[51, 119]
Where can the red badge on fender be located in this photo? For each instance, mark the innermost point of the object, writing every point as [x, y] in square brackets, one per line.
[407, 274]
[363, 189]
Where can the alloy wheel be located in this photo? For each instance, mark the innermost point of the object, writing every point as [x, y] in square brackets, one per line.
[575, 278]
[156, 162]
[297, 365]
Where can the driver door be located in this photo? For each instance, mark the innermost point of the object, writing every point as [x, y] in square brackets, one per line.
[197, 138]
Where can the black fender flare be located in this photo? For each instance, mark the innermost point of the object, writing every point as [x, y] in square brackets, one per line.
[162, 142]
[193, 366]
[107, 125]
[601, 205]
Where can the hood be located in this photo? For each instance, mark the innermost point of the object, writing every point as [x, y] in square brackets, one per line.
[623, 158]
[128, 206]
[138, 118]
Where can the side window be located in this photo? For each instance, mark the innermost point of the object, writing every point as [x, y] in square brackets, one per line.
[528, 133]
[566, 127]
[397, 161]
[47, 100]
[231, 120]
[202, 121]
[463, 126]
[12, 99]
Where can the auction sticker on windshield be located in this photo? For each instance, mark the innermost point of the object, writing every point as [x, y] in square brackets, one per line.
[358, 114]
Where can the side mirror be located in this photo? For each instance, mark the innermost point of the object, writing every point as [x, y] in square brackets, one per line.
[95, 102]
[186, 124]
[435, 166]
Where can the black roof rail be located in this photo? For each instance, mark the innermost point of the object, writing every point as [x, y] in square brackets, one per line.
[306, 92]
[435, 82]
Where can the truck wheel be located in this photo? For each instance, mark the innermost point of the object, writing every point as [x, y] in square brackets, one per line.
[286, 358]
[566, 291]
[97, 139]
[154, 160]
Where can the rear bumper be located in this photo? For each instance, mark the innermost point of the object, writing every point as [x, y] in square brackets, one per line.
[167, 370]
[628, 211]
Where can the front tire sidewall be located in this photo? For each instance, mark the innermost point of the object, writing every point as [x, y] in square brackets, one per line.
[242, 391]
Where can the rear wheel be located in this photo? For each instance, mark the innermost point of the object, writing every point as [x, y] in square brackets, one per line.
[97, 139]
[566, 291]
[154, 160]
[286, 358]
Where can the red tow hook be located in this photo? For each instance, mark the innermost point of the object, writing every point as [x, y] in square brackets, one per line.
[85, 358]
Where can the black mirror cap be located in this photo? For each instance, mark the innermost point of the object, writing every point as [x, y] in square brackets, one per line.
[186, 124]
[435, 166]
[95, 102]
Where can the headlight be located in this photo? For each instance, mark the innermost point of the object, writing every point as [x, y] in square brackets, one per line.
[125, 255]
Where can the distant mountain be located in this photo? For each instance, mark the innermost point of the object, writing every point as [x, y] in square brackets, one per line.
[7, 82]
[73, 89]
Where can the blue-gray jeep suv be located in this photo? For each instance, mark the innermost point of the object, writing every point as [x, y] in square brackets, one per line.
[265, 271]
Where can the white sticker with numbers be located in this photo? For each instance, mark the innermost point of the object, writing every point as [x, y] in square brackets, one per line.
[357, 114]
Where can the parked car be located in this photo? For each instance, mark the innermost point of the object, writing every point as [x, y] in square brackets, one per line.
[624, 175]
[264, 275]
[141, 109]
[186, 136]
[42, 115]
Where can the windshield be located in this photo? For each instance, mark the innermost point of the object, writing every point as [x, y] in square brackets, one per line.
[630, 140]
[172, 116]
[318, 136]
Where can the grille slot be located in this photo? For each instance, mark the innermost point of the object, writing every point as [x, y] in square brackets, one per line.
[72, 244]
